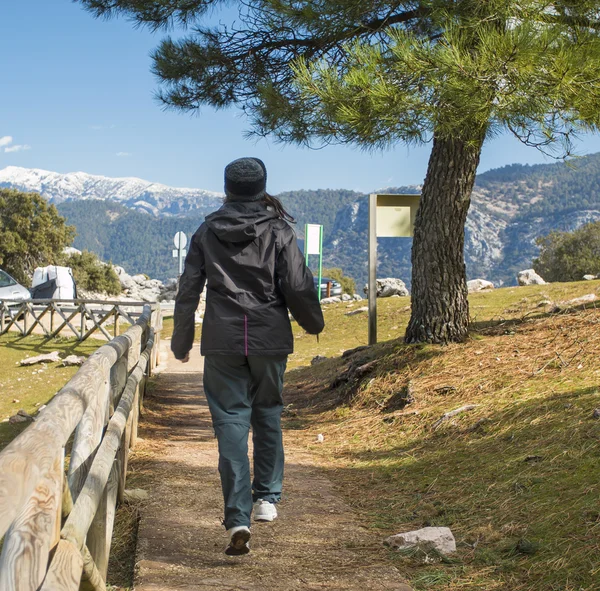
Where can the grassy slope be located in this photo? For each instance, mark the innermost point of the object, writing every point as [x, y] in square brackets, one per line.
[516, 478]
[34, 385]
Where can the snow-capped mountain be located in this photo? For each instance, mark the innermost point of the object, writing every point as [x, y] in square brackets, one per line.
[132, 192]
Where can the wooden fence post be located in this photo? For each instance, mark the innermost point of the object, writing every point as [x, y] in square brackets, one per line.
[33, 534]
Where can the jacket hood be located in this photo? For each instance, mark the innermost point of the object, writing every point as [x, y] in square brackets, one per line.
[240, 222]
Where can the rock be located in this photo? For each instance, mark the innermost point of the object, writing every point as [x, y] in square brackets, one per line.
[333, 300]
[346, 298]
[529, 277]
[318, 359]
[585, 299]
[20, 417]
[357, 311]
[357, 297]
[440, 538]
[73, 360]
[589, 277]
[320, 438]
[476, 285]
[388, 287]
[48, 357]
[69, 250]
[596, 413]
[135, 495]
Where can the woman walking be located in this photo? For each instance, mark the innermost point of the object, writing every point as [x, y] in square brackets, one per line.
[246, 254]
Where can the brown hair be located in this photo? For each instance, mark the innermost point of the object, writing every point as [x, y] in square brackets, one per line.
[273, 202]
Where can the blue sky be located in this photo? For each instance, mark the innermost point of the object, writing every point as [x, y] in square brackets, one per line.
[77, 95]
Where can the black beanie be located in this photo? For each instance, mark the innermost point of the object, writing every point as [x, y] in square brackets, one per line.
[245, 179]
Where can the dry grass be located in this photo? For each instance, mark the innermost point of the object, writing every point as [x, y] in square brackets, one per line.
[515, 478]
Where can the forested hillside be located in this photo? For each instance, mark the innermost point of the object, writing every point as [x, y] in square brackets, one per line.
[511, 207]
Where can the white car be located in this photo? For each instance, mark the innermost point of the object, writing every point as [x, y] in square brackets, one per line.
[10, 289]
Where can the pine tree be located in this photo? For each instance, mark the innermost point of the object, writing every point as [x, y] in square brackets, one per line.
[379, 72]
[32, 234]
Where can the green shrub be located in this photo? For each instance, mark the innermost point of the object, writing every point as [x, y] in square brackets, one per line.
[348, 285]
[92, 274]
[568, 256]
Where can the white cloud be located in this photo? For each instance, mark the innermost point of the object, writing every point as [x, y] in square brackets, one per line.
[6, 140]
[123, 154]
[17, 148]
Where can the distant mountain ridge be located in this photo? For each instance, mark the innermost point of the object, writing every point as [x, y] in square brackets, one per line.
[511, 207]
[131, 192]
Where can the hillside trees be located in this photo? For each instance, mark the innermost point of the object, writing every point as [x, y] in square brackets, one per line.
[92, 274]
[32, 234]
[568, 256]
[379, 72]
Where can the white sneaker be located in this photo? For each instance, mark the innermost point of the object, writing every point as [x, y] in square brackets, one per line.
[264, 511]
[238, 541]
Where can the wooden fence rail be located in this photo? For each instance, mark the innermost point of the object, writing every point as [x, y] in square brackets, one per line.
[82, 318]
[57, 524]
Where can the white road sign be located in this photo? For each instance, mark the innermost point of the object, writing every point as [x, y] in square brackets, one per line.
[180, 240]
[313, 239]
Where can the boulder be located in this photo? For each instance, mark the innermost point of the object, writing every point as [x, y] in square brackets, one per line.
[346, 298]
[589, 277]
[357, 297]
[529, 277]
[476, 285]
[333, 300]
[73, 360]
[584, 299]
[440, 538]
[388, 287]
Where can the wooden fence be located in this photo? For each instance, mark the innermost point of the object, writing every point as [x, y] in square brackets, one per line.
[52, 318]
[57, 523]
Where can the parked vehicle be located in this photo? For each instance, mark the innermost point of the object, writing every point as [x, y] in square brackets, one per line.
[11, 289]
[335, 290]
[53, 282]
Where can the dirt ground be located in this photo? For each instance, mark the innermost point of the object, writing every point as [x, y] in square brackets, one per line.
[316, 543]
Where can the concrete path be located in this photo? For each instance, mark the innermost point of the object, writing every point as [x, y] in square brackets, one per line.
[315, 544]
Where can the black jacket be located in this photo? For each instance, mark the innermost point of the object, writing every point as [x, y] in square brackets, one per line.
[254, 271]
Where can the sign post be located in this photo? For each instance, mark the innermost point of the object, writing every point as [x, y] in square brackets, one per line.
[180, 241]
[389, 216]
[313, 244]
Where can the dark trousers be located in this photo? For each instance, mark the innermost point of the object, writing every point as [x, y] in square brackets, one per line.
[242, 392]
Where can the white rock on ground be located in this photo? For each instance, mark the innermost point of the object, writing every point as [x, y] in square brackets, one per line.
[529, 277]
[585, 299]
[346, 298]
[389, 286]
[589, 277]
[476, 285]
[357, 297]
[440, 538]
[73, 360]
[48, 357]
[333, 300]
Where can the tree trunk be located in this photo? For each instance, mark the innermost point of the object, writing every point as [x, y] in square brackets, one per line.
[440, 308]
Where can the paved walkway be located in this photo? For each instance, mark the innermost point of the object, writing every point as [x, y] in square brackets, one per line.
[315, 544]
